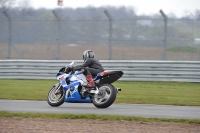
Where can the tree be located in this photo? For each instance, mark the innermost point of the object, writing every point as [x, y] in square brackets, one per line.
[6, 3]
[197, 14]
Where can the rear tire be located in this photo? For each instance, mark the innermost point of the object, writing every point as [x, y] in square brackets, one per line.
[105, 97]
[56, 100]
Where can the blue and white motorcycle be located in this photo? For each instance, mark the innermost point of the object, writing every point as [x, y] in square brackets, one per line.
[71, 88]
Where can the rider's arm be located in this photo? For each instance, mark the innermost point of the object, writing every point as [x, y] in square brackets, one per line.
[86, 64]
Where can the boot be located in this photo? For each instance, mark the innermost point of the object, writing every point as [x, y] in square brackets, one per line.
[91, 81]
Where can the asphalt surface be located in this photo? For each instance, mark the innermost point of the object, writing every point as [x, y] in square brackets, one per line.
[138, 110]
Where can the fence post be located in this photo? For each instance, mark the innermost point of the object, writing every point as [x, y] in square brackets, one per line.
[165, 35]
[10, 37]
[110, 33]
[10, 34]
[58, 35]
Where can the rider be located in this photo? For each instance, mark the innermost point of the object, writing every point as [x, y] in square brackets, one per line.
[90, 67]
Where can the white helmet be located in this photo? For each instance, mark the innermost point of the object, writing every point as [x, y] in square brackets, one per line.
[88, 54]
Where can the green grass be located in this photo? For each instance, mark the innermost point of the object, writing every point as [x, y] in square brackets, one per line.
[25, 89]
[166, 93]
[94, 116]
[184, 49]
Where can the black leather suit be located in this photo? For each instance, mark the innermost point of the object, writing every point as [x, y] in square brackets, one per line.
[90, 66]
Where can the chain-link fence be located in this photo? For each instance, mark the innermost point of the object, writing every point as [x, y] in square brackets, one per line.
[53, 35]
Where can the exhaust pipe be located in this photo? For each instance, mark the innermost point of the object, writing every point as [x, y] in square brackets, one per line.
[118, 89]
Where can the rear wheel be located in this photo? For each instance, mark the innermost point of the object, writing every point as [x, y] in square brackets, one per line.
[105, 97]
[56, 95]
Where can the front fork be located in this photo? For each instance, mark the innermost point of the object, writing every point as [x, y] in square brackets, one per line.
[58, 88]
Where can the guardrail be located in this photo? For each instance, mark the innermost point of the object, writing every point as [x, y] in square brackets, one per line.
[180, 71]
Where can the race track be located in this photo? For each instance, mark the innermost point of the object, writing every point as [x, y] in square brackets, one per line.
[138, 110]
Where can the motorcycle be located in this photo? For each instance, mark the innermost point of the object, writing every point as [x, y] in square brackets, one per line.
[72, 88]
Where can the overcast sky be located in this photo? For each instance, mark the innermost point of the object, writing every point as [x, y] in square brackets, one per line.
[178, 7]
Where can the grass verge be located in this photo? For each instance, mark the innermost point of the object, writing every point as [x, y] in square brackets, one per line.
[165, 93]
[95, 116]
[184, 49]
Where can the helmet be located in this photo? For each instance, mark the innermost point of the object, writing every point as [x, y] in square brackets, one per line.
[88, 54]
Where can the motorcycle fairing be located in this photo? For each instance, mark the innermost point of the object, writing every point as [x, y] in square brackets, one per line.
[108, 76]
[73, 96]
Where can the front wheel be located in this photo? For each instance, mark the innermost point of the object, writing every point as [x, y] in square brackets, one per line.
[105, 97]
[56, 95]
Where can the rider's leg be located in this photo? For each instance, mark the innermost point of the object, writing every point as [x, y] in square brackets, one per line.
[88, 75]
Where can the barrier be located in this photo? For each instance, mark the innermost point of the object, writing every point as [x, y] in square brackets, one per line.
[134, 70]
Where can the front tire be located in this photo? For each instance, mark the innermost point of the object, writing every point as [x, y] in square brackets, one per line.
[105, 97]
[56, 99]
